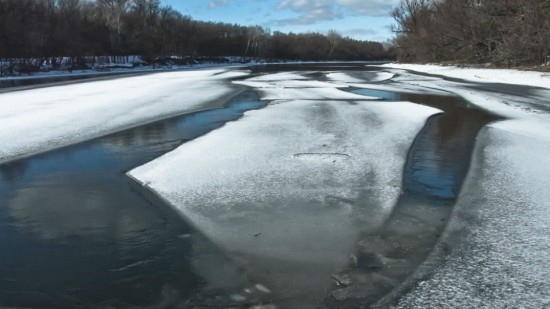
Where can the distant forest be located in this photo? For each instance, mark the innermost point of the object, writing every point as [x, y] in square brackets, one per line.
[78, 29]
[501, 32]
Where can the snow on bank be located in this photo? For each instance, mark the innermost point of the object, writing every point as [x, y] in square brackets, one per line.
[509, 93]
[37, 120]
[499, 233]
[287, 189]
[527, 78]
[494, 251]
[119, 69]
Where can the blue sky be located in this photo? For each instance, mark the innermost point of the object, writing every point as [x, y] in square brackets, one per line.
[359, 19]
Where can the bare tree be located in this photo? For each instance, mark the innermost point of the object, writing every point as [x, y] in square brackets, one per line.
[334, 39]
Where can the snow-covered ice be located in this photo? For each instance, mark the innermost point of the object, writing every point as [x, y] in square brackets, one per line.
[516, 77]
[280, 190]
[287, 189]
[484, 92]
[494, 252]
[37, 120]
[498, 237]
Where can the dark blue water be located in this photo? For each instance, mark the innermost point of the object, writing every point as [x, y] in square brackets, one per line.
[439, 158]
[75, 231]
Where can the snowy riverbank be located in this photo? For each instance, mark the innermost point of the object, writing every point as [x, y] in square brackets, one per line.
[38, 120]
[495, 248]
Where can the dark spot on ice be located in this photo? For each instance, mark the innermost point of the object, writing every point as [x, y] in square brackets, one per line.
[322, 155]
[258, 234]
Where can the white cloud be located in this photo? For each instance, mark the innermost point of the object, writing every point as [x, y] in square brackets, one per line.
[359, 32]
[312, 11]
[213, 4]
[369, 7]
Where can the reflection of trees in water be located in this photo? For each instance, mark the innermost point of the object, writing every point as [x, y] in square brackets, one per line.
[138, 137]
[444, 150]
[13, 170]
[153, 131]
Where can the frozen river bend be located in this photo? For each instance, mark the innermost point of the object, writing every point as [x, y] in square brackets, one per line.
[288, 189]
[309, 185]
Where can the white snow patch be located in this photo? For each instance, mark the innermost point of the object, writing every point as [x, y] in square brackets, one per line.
[517, 77]
[529, 128]
[502, 103]
[382, 76]
[37, 120]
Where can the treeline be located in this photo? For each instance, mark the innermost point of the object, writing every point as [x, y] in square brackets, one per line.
[46, 29]
[502, 32]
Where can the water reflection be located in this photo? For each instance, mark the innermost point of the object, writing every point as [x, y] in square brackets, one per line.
[440, 156]
[75, 231]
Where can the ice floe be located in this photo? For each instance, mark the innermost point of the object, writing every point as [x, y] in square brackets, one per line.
[287, 189]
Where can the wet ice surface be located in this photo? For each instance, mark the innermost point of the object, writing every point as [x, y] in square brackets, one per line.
[38, 120]
[287, 189]
[498, 238]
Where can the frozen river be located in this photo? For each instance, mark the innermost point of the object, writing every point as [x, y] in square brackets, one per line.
[76, 231]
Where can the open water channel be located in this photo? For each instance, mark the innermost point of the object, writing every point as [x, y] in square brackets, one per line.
[75, 231]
